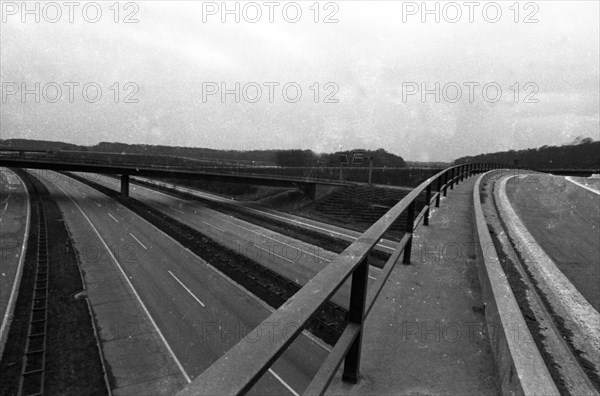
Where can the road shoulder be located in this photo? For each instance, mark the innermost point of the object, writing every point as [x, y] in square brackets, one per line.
[136, 359]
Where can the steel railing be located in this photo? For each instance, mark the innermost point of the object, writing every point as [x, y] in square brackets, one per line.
[244, 364]
[116, 164]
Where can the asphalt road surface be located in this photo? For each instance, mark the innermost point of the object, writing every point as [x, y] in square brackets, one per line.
[564, 219]
[294, 259]
[200, 312]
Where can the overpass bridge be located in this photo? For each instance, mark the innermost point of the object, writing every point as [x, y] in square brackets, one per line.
[303, 178]
[243, 365]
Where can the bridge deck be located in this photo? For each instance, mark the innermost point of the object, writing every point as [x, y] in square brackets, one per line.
[426, 334]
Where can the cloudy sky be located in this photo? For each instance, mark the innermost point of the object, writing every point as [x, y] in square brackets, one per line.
[379, 74]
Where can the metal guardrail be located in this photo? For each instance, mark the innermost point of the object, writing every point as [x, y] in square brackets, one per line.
[302, 174]
[245, 363]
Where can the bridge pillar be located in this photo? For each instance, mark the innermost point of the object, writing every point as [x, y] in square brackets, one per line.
[317, 191]
[125, 185]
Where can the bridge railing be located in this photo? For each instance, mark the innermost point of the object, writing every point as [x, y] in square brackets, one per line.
[408, 176]
[244, 364]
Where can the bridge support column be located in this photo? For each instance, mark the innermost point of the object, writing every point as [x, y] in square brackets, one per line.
[125, 185]
[317, 191]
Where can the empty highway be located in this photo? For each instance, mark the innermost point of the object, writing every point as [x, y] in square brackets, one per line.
[291, 258]
[200, 312]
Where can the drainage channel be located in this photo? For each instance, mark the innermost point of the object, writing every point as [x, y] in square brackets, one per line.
[34, 358]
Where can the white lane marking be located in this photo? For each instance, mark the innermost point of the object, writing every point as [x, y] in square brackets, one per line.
[112, 217]
[186, 289]
[264, 213]
[268, 237]
[311, 225]
[247, 229]
[221, 199]
[138, 241]
[178, 211]
[213, 226]
[17, 280]
[160, 334]
[97, 204]
[243, 290]
[292, 391]
[255, 232]
[273, 253]
[583, 185]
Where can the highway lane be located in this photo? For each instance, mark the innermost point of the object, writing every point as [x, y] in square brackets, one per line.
[200, 312]
[294, 259]
[14, 230]
[564, 219]
[385, 245]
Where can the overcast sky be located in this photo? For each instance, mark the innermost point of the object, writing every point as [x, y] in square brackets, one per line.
[360, 77]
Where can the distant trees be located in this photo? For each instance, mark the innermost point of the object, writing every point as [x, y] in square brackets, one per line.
[292, 158]
[585, 155]
[381, 158]
[296, 158]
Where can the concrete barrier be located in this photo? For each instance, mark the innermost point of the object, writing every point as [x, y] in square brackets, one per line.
[521, 369]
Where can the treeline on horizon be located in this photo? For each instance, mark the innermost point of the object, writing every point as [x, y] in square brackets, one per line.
[585, 155]
[293, 158]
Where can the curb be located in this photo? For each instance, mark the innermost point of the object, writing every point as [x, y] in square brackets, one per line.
[521, 369]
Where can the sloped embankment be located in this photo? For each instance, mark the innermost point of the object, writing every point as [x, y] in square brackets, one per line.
[358, 207]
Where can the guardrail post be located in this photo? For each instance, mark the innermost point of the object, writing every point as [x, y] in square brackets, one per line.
[446, 177]
[410, 224]
[427, 202]
[439, 189]
[452, 172]
[125, 185]
[356, 314]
